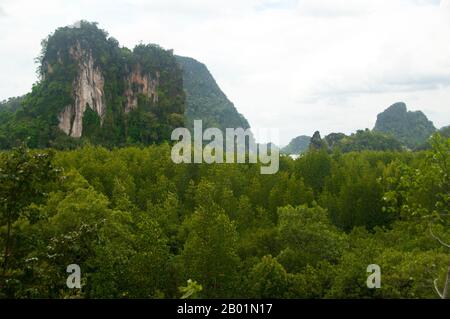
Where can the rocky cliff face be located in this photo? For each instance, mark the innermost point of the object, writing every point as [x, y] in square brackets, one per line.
[139, 83]
[88, 91]
[92, 89]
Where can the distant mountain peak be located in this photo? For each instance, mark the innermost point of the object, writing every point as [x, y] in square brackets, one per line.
[297, 145]
[397, 107]
[411, 128]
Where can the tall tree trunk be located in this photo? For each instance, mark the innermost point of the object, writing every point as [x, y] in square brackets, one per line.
[6, 252]
[447, 283]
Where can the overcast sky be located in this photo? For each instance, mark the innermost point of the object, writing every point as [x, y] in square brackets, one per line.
[300, 66]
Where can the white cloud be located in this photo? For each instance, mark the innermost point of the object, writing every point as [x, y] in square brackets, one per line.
[303, 65]
[335, 8]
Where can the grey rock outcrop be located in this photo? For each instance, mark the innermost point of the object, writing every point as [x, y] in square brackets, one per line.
[139, 83]
[88, 91]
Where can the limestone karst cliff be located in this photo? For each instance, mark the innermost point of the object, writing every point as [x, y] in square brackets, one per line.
[410, 128]
[93, 89]
[88, 91]
[142, 84]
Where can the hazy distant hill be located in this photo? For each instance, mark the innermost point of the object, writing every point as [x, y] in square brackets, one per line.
[410, 128]
[445, 131]
[12, 104]
[297, 145]
[365, 140]
[361, 140]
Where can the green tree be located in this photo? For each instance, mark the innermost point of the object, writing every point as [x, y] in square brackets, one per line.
[268, 279]
[209, 253]
[25, 178]
[308, 237]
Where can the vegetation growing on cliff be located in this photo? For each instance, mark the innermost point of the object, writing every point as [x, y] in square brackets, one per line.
[410, 128]
[297, 145]
[204, 99]
[150, 122]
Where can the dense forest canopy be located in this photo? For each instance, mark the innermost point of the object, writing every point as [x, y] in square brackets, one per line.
[141, 226]
[362, 140]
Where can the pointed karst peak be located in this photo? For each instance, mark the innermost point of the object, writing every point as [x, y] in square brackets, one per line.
[316, 141]
[76, 24]
[316, 136]
[410, 128]
[399, 107]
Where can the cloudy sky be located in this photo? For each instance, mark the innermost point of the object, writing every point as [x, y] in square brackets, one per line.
[296, 65]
